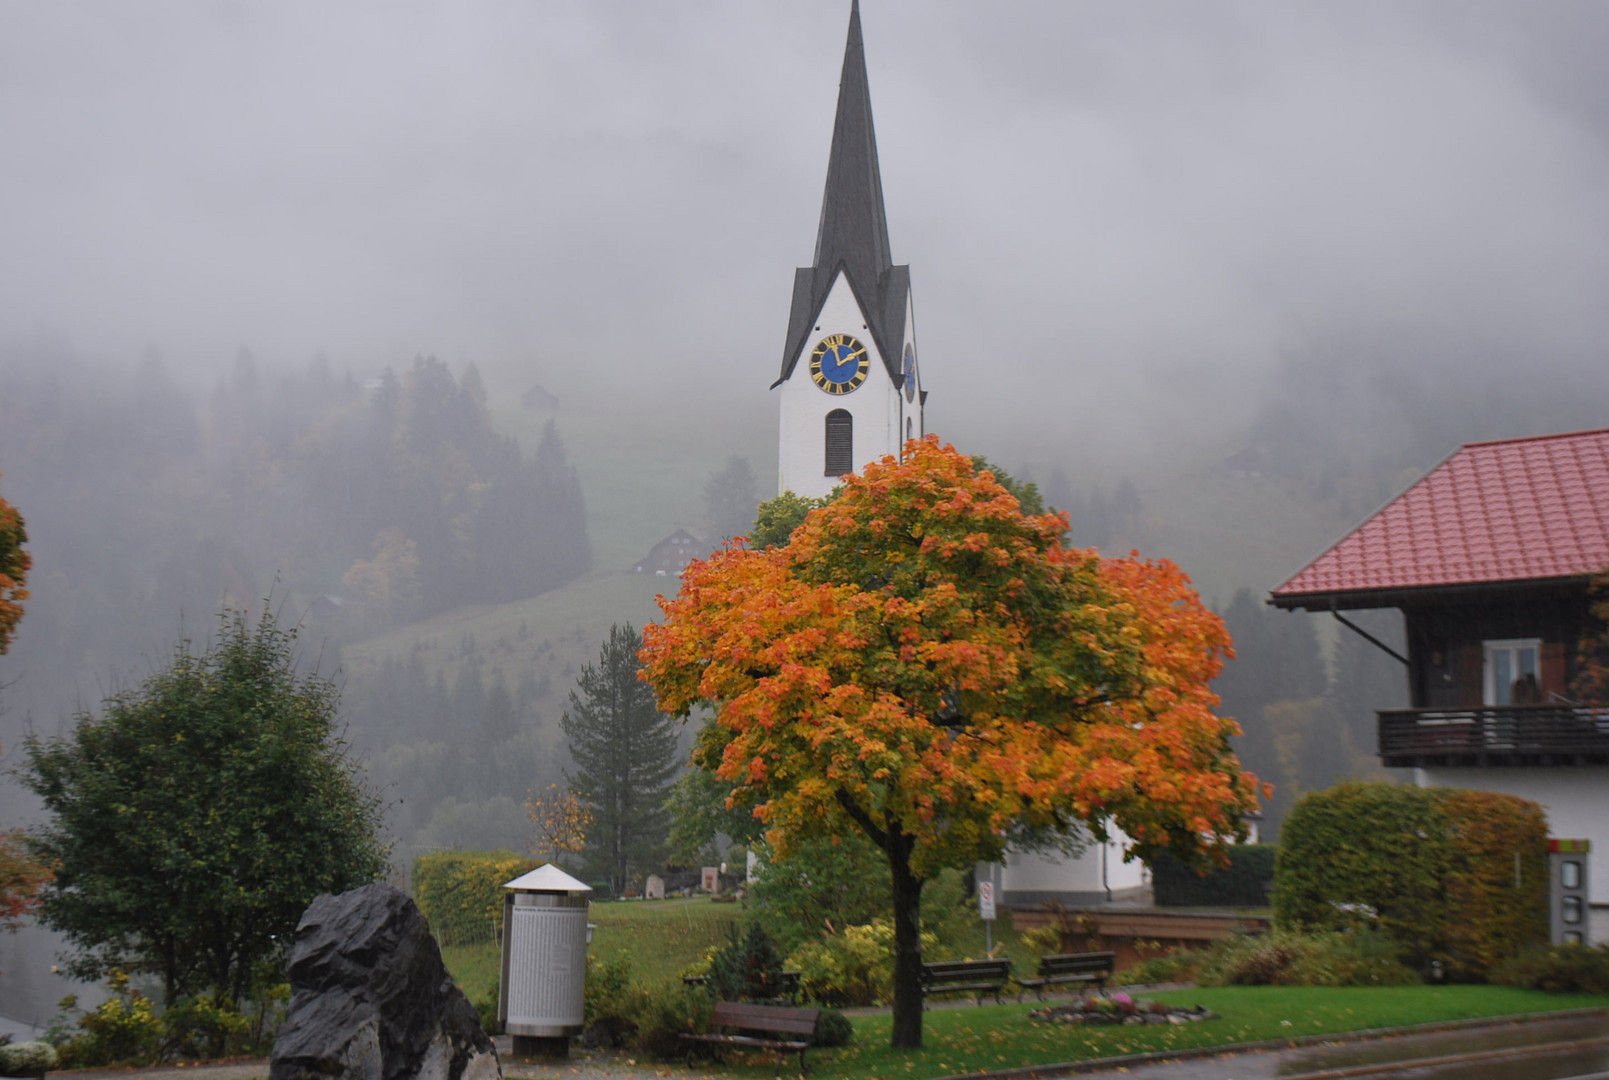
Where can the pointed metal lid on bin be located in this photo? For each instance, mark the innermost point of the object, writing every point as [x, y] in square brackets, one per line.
[547, 878]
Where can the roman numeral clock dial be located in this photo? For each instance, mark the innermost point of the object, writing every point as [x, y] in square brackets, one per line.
[839, 364]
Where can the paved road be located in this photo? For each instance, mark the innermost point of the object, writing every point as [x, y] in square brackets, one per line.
[1547, 1049]
[1572, 1048]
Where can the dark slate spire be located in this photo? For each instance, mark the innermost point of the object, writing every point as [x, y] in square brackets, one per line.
[853, 235]
[854, 229]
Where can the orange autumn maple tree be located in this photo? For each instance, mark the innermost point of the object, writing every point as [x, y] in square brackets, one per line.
[21, 876]
[925, 663]
[14, 564]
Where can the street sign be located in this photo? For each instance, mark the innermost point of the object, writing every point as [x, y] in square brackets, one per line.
[986, 900]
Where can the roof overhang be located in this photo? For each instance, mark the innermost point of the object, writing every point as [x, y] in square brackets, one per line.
[1474, 592]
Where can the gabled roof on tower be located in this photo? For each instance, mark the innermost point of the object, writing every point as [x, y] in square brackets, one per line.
[853, 235]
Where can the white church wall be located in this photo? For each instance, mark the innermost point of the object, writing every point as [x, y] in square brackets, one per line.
[874, 405]
[1577, 803]
[1093, 876]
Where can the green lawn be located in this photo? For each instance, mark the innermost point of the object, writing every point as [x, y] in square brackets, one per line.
[1002, 1037]
[661, 939]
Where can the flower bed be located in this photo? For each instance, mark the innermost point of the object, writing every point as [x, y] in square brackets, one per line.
[1120, 1009]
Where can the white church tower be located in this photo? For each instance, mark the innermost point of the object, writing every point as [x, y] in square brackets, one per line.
[850, 389]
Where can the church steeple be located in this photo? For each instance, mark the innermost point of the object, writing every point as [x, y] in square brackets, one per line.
[853, 235]
[854, 227]
[850, 392]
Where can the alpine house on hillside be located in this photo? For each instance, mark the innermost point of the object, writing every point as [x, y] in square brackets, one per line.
[1490, 557]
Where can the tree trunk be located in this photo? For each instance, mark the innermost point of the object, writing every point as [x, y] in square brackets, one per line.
[907, 1030]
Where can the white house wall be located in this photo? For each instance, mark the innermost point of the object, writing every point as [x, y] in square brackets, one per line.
[1091, 877]
[1577, 803]
[875, 405]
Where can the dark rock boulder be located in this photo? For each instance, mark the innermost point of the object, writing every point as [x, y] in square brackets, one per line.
[371, 999]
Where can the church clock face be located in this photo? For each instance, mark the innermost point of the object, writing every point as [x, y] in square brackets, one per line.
[839, 364]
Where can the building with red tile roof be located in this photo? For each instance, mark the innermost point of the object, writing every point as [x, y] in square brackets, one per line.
[1489, 557]
[1514, 510]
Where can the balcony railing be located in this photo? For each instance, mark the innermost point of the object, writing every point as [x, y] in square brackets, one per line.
[1495, 735]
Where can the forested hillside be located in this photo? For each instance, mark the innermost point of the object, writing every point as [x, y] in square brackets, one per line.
[442, 568]
[358, 506]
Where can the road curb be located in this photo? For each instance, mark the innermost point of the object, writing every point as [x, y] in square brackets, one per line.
[1129, 1061]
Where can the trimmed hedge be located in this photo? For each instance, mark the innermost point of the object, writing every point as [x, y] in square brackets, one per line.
[1245, 882]
[1434, 868]
[461, 892]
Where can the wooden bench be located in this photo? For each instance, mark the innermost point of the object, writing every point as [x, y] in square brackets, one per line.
[1083, 967]
[790, 983]
[762, 1026]
[977, 977]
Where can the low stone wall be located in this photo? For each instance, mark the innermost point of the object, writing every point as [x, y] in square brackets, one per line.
[1136, 933]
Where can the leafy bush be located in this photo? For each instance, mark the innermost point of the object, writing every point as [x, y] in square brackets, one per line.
[833, 1029]
[199, 1028]
[1044, 940]
[1245, 882]
[486, 1007]
[609, 991]
[1558, 969]
[666, 1015]
[461, 892]
[855, 967]
[1433, 868]
[747, 968]
[27, 1058]
[825, 884]
[1283, 958]
[122, 1030]
[1180, 965]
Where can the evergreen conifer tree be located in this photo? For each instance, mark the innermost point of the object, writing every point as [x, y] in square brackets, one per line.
[624, 751]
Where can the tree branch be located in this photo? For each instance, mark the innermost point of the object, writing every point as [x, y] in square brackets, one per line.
[863, 819]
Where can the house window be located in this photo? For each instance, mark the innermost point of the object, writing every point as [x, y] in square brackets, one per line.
[1511, 672]
[1570, 910]
[1570, 874]
[840, 443]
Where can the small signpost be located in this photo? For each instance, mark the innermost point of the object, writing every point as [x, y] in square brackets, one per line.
[986, 910]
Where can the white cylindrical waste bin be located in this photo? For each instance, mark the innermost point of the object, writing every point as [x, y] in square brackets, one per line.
[540, 1000]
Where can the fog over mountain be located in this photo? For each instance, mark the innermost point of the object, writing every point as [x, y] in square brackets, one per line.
[1219, 277]
[1121, 219]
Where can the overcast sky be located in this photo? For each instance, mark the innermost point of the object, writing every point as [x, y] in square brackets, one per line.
[1141, 205]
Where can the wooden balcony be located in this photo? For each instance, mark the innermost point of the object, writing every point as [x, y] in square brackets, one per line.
[1495, 735]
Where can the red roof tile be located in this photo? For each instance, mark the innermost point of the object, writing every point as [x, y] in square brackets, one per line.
[1512, 510]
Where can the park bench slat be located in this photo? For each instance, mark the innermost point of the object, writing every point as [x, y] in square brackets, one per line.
[977, 977]
[744, 1017]
[1091, 967]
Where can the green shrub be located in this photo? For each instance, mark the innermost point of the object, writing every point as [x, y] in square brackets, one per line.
[1558, 969]
[855, 967]
[825, 884]
[1433, 868]
[1245, 882]
[27, 1058]
[747, 968]
[667, 1014]
[609, 993]
[486, 1007]
[122, 1030]
[833, 1029]
[125, 1030]
[1283, 958]
[461, 892]
[1180, 965]
[201, 1028]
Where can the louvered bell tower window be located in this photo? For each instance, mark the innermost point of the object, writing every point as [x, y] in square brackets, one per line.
[840, 442]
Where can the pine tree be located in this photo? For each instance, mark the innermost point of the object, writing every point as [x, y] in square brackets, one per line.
[730, 498]
[625, 756]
